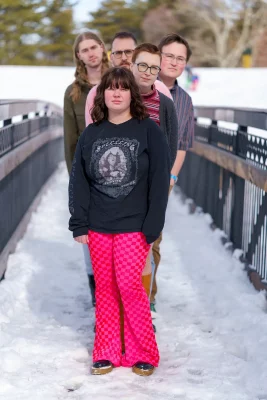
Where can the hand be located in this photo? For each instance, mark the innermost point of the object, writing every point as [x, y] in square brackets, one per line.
[82, 239]
[172, 182]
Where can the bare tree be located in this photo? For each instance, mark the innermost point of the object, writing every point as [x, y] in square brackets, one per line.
[158, 22]
[220, 30]
[259, 55]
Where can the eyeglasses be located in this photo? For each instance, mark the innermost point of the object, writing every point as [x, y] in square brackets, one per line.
[171, 57]
[142, 67]
[119, 53]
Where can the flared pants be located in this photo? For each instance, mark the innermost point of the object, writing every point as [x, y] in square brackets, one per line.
[118, 261]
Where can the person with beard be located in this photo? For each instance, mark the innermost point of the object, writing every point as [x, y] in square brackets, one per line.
[122, 48]
[91, 62]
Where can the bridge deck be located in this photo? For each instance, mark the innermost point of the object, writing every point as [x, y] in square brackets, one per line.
[211, 322]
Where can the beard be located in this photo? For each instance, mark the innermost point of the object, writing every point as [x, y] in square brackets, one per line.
[125, 64]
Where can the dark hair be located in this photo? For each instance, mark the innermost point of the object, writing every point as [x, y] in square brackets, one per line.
[124, 35]
[114, 78]
[172, 38]
[81, 78]
[148, 47]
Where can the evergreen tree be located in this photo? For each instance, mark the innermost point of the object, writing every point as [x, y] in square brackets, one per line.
[58, 36]
[118, 15]
[20, 26]
[36, 32]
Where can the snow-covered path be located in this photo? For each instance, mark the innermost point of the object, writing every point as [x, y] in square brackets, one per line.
[212, 324]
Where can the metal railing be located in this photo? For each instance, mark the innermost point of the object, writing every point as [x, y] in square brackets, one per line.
[21, 120]
[31, 146]
[226, 175]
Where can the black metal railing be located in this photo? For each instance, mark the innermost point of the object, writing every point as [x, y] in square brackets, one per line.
[226, 175]
[21, 124]
[31, 146]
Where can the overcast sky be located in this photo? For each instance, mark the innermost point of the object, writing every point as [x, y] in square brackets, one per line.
[84, 7]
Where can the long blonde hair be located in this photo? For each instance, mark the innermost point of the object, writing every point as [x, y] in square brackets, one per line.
[81, 78]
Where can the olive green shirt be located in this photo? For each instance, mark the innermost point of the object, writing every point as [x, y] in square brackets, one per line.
[74, 122]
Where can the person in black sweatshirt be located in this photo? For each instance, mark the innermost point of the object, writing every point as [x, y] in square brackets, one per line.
[118, 194]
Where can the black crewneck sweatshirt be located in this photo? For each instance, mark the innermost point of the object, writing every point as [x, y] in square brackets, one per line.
[120, 179]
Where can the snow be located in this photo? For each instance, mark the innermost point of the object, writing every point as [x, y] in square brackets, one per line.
[211, 322]
[231, 87]
[40, 83]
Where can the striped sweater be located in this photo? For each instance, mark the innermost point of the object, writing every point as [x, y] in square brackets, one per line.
[152, 103]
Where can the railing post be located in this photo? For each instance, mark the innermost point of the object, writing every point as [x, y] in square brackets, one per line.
[238, 152]
[214, 124]
[237, 211]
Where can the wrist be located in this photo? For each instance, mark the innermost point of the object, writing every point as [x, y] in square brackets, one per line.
[174, 177]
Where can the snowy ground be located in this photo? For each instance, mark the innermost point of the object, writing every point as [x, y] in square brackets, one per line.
[211, 322]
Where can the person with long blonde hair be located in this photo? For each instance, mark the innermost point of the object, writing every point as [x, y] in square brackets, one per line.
[91, 61]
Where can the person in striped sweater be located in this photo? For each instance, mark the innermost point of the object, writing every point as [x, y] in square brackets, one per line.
[146, 67]
[155, 95]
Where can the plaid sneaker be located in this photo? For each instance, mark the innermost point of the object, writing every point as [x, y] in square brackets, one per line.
[153, 310]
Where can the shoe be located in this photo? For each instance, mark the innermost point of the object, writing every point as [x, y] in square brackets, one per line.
[153, 311]
[143, 368]
[101, 367]
[91, 280]
[154, 328]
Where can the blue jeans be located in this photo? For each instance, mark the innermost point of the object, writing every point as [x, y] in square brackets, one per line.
[87, 260]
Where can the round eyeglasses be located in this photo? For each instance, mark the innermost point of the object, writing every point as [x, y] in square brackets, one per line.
[171, 57]
[143, 67]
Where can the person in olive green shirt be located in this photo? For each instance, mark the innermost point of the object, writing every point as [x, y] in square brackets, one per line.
[91, 62]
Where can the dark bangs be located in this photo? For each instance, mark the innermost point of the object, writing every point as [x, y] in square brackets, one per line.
[117, 78]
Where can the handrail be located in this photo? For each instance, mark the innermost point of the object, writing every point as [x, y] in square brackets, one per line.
[21, 120]
[256, 118]
[232, 163]
[239, 132]
[16, 107]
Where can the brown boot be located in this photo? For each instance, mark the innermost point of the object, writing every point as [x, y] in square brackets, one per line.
[101, 367]
[143, 369]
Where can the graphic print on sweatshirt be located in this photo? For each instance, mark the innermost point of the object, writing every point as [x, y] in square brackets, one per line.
[114, 165]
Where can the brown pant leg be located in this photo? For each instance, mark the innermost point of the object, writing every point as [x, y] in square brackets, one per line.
[157, 257]
[146, 281]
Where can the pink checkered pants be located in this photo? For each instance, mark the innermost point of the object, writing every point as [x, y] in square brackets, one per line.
[118, 261]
